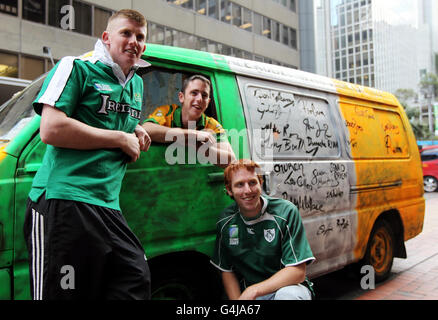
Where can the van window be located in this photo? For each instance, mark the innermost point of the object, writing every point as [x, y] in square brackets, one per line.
[161, 87]
[374, 132]
[288, 122]
[17, 112]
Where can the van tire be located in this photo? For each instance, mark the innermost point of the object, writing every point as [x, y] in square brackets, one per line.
[380, 250]
[176, 283]
[430, 184]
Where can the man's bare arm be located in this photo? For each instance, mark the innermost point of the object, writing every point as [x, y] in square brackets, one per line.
[285, 277]
[59, 130]
[231, 285]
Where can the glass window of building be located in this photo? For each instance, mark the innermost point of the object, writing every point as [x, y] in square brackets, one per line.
[55, 15]
[31, 68]
[82, 17]
[101, 17]
[201, 44]
[285, 35]
[34, 11]
[9, 7]
[257, 23]
[188, 4]
[213, 9]
[155, 33]
[226, 11]
[226, 50]
[8, 65]
[275, 31]
[246, 20]
[201, 6]
[293, 38]
[292, 5]
[267, 32]
[236, 12]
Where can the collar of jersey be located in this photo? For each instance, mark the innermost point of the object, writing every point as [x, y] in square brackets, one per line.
[177, 120]
[257, 218]
[102, 54]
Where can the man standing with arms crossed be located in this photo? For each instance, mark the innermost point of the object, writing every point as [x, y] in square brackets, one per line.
[80, 246]
[261, 245]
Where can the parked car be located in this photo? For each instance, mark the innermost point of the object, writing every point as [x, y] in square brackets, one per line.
[429, 159]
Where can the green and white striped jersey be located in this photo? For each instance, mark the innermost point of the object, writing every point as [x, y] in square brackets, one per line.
[93, 90]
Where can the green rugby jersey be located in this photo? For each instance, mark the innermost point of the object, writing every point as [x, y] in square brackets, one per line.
[95, 91]
[258, 248]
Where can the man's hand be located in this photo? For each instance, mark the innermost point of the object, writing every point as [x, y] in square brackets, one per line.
[249, 293]
[131, 146]
[205, 136]
[143, 138]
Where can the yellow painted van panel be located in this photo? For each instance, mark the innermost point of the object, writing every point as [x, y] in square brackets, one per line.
[387, 162]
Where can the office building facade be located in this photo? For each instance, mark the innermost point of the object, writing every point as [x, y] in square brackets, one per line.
[262, 30]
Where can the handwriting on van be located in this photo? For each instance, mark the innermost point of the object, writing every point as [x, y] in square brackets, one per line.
[312, 188]
[292, 124]
[374, 132]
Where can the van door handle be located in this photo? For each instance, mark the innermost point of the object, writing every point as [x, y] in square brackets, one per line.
[216, 177]
[28, 168]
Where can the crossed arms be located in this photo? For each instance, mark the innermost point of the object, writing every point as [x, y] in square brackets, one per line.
[59, 130]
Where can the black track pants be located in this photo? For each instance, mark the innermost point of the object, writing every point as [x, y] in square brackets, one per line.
[82, 251]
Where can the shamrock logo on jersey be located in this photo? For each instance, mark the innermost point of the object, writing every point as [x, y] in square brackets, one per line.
[269, 234]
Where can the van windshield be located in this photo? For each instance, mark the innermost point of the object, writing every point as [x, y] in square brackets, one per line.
[18, 111]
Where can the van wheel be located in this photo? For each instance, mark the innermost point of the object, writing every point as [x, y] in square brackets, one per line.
[430, 184]
[380, 250]
[184, 284]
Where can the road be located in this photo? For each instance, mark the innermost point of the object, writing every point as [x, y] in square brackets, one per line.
[414, 278]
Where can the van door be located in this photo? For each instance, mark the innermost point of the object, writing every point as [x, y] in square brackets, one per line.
[296, 135]
[172, 205]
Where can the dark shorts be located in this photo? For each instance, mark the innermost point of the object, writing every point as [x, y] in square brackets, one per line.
[82, 251]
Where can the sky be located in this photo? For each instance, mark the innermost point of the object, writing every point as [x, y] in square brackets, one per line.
[393, 11]
[399, 11]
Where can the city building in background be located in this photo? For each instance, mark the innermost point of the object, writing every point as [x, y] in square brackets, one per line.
[263, 30]
[389, 45]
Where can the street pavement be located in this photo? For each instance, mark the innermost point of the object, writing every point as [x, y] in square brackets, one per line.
[414, 278]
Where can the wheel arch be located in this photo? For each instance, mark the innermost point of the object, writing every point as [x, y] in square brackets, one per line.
[192, 266]
[394, 220]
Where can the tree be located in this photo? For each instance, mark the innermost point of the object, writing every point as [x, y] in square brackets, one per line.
[429, 84]
[405, 96]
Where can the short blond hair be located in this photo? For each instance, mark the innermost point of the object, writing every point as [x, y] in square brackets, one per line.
[129, 14]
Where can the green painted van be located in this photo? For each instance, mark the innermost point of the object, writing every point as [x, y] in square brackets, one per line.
[343, 153]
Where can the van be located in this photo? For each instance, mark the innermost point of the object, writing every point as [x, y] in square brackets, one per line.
[344, 154]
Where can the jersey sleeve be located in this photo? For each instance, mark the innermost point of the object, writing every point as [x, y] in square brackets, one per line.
[220, 258]
[295, 246]
[216, 127]
[161, 116]
[62, 88]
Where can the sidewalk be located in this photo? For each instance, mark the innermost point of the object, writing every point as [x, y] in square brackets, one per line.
[414, 278]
